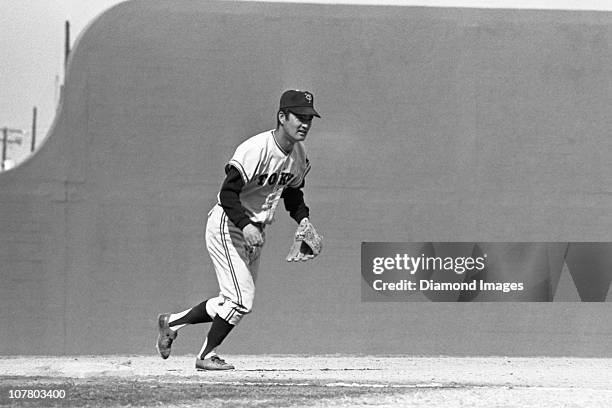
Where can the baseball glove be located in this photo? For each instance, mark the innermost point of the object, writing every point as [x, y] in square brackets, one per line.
[306, 243]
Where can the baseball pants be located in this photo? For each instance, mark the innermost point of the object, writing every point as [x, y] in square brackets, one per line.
[235, 264]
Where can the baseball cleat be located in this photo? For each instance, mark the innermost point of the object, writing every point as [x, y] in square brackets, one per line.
[212, 363]
[166, 335]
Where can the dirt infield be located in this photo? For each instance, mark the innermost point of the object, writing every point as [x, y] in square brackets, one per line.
[303, 381]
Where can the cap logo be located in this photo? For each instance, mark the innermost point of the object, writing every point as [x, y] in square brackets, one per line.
[308, 97]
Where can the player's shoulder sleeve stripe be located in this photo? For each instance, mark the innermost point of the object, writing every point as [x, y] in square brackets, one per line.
[304, 158]
[304, 167]
[238, 166]
[307, 169]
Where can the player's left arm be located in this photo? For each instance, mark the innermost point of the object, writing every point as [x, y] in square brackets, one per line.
[293, 198]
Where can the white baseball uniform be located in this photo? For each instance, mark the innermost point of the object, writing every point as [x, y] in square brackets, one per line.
[266, 171]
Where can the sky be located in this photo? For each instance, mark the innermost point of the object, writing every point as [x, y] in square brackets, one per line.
[32, 46]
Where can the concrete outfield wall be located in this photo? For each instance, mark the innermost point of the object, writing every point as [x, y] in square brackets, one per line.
[438, 125]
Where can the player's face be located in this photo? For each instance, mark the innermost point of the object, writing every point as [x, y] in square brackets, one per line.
[297, 126]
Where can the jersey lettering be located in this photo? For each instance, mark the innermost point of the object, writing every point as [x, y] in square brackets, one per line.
[285, 178]
[262, 179]
[272, 179]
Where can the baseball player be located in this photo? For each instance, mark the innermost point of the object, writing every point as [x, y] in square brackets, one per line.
[264, 168]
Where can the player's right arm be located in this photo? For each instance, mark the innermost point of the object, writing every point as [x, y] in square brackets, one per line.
[229, 196]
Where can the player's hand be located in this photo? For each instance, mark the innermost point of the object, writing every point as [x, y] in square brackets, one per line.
[252, 236]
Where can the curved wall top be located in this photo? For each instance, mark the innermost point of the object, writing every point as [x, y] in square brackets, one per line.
[438, 125]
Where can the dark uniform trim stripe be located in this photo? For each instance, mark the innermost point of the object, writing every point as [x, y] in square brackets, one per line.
[229, 259]
[240, 168]
[279, 146]
[299, 180]
[230, 314]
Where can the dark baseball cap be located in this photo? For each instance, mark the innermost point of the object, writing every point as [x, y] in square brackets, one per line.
[299, 102]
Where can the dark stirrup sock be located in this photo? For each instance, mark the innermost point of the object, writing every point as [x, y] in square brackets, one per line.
[196, 315]
[218, 332]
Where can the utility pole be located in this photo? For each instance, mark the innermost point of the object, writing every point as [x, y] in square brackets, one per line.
[6, 142]
[67, 43]
[33, 130]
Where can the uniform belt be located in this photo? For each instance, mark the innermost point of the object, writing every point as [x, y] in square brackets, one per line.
[260, 225]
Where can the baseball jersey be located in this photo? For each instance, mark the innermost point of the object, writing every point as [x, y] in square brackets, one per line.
[266, 170]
